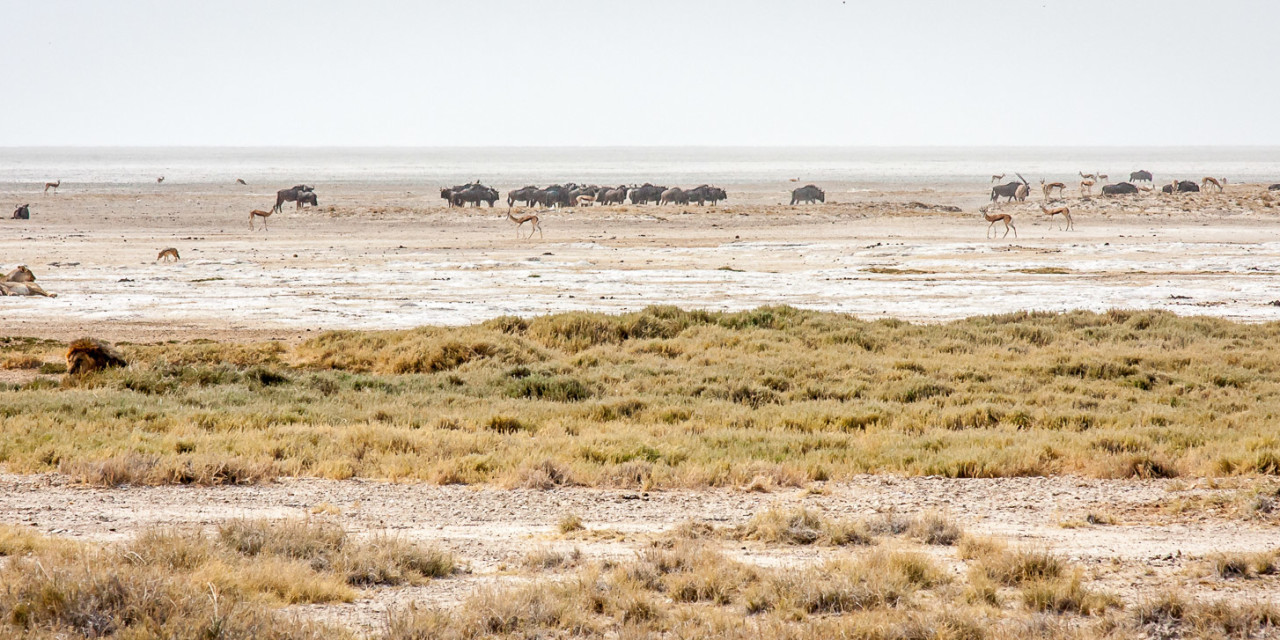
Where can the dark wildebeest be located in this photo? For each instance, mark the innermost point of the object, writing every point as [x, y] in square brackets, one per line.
[613, 196]
[646, 193]
[1140, 175]
[674, 195]
[1124, 188]
[716, 194]
[475, 194]
[553, 196]
[808, 194]
[307, 197]
[1274, 187]
[22, 213]
[1009, 190]
[1184, 186]
[525, 195]
[699, 194]
[290, 195]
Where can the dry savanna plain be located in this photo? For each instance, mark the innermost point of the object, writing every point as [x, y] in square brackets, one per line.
[385, 418]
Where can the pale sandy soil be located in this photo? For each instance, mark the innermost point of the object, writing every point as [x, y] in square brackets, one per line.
[381, 258]
[492, 529]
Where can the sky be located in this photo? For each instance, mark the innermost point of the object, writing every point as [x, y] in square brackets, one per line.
[612, 73]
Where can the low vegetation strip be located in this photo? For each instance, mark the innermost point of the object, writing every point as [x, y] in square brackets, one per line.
[664, 397]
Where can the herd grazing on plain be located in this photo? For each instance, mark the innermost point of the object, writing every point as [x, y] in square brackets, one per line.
[21, 281]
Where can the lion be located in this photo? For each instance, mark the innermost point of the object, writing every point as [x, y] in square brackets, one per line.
[168, 255]
[21, 274]
[24, 289]
[89, 354]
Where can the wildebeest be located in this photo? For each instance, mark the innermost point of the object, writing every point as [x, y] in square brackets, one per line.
[613, 196]
[554, 196]
[808, 194]
[1123, 188]
[291, 195]
[1008, 190]
[475, 193]
[22, 213]
[716, 194]
[307, 197]
[674, 195]
[1184, 186]
[1140, 175]
[525, 195]
[1274, 187]
[645, 193]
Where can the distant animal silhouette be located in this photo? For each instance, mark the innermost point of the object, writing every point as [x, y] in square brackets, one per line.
[1141, 175]
[168, 255]
[53, 185]
[160, 179]
[995, 178]
[23, 212]
[808, 194]
[241, 181]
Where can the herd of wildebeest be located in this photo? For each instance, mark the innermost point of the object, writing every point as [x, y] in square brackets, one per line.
[582, 195]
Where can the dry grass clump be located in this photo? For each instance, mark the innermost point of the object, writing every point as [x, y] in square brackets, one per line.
[767, 398]
[1170, 612]
[1244, 565]
[801, 526]
[96, 592]
[932, 527]
[546, 559]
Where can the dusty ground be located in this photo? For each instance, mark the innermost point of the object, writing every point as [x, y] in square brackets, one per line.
[1147, 549]
[382, 257]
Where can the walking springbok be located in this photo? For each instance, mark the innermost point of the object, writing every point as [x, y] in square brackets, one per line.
[53, 185]
[1066, 214]
[1086, 188]
[532, 218]
[996, 178]
[259, 214]
[993, 218]
[1049, 187]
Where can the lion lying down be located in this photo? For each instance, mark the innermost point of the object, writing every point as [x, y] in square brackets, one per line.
[21, 282]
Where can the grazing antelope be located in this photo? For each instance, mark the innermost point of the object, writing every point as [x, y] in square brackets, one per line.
[993, 218]
[1103, 177]
[1049, 187]
[169, 255]
[1086, 188]
[996, 178]
[585, 200]
[160, 179]
[1087, 176]
[1066, 214]
[53, 185]
[260, 214]
[532, 218]
[1213, 181]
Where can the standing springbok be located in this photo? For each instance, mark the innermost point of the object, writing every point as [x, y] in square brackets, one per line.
[1066, 214]
[53, 185]
[1049, 187]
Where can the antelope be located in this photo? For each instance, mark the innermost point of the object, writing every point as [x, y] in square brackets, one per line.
[993, 218]
[160, 179]
[1213, 181]
[533, 218]
[1087, 176]
[53, 185]
[1086, 188]
[259, 214]
[1065, 211]
[996, 178]
[1103, 177]
[1049, 187]
[241, 181]
[585, 200]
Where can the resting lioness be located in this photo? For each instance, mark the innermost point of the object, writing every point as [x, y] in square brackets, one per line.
[21, 274]
[24, 289]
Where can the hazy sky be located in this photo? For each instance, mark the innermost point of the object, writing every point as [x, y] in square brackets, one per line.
[598, 72]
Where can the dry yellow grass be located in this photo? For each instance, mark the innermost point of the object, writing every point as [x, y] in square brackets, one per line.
[773, 397]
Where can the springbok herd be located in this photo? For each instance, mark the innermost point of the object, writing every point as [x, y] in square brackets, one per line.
[21, 281]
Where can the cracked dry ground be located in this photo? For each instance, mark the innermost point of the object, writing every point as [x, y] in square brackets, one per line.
[1162, 530]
